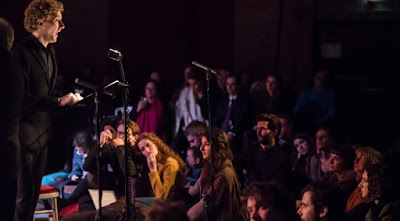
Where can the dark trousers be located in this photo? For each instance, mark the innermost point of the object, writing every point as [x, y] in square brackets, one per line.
[9, 152]
[33, 162]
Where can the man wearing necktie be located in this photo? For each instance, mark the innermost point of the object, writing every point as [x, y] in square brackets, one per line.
[231, 111]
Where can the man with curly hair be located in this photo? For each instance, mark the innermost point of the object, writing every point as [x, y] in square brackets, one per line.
[35, 61]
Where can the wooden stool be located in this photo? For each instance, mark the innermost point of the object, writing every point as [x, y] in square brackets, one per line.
[48, 192]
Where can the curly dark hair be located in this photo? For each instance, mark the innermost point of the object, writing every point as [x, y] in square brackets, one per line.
[271, 195]
[378, 182]
[163, 150]
[40, 9]
[221, 152]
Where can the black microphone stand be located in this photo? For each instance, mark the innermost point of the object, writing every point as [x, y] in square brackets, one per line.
[209, 198]
[107, 90]
[130, 207]
[96, 118]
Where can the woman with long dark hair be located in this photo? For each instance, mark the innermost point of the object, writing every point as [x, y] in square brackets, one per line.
[218, 181]
[376, 188]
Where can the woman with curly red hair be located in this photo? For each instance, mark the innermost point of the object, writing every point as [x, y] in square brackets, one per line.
[218, 179]
[166, 167]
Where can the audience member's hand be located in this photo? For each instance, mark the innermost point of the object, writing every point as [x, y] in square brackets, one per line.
[152, 162]
[141, 105]
[105, 137]
[74, 178]
[117, 142]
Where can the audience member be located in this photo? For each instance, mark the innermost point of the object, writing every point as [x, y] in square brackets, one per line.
[191, 104]
[232, 111]
[316, 106]
[112, 156]
[321, 203]
[193, 133]
[376, 187]
[150, 111]
[194, 160]
[266, 161]
[218, 185]
[341, 166]
[276, 100]
[268, 202]
[166, 167]
[357, 207]
[304, 145]
[285, 139]
[82, 143]
[221, 80]
[324, 140]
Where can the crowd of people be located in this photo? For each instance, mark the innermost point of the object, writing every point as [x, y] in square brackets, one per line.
[241, 150]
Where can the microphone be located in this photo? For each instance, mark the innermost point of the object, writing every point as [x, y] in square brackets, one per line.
[114, 54]
[197, 64]
[85, 84]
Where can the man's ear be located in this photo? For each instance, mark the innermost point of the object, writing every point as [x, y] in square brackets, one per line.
[323, 212]
[40, 22]
[197, 160]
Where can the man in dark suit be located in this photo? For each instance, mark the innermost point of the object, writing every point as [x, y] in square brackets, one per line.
[36, 63]
[11, 87]
[231, 112]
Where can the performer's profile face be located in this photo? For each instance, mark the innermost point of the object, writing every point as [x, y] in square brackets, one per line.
[50, 28]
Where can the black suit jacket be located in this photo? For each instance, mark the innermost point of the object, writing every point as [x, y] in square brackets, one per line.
[238, 115]
[37, 102]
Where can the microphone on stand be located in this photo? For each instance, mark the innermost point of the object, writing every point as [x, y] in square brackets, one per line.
[197, 64]
[114, 54]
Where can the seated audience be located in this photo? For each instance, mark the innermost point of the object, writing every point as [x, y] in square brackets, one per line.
[266, 161]
[276, 100]
[304, 145]
[218, 185]
[285, 139]
[324, 141]
[341, 166]
[232, 111]
[82, 144]
[194, 159]
[150, 109]
[113, 156]
[268, 202]
[376, 189]
[192, 103]
[193, 133]
[166, 167]
[316, 106]
[357, 207]
[321, 203]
